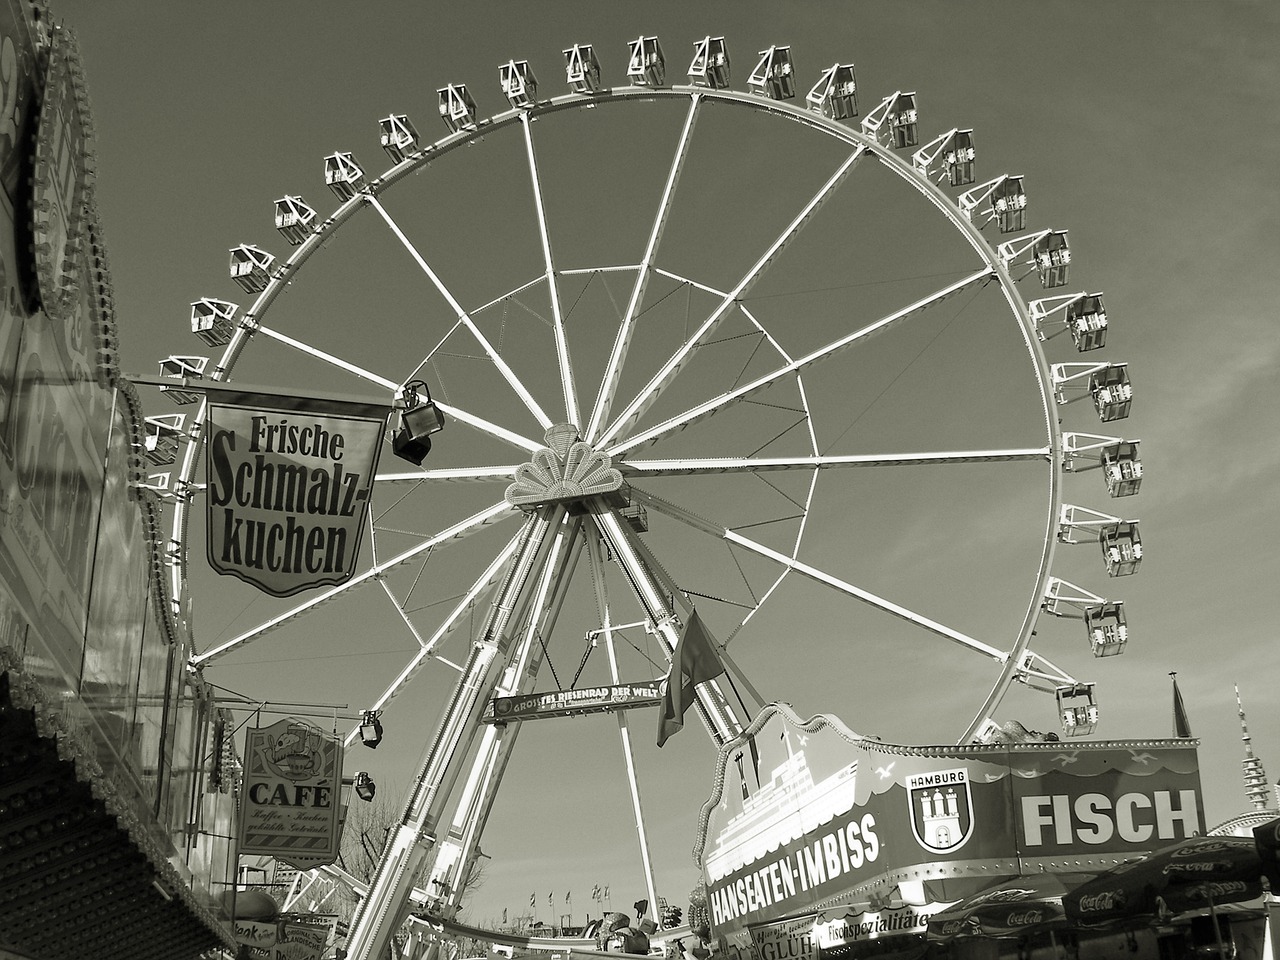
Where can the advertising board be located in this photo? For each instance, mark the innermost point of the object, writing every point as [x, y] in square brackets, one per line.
[291, 805]
[289, 485]
[563, 703]
[807, 813]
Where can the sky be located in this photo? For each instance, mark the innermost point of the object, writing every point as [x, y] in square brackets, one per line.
[1141, 127]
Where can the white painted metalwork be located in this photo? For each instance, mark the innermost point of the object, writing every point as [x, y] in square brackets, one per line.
[524, 583]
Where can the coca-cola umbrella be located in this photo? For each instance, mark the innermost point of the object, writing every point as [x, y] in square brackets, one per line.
[1192, 874]
[1266, 837]
[1009, 909]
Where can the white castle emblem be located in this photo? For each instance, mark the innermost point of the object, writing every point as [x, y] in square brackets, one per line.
[941, 809]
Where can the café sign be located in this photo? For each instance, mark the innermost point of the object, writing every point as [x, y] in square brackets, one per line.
[289, 483]
[291, 806]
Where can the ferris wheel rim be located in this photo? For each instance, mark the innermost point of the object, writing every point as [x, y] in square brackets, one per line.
[251, 320]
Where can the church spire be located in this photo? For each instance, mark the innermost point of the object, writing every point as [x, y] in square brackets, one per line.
[1255, 778]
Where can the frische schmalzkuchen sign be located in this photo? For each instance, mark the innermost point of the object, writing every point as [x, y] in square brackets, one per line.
[289, 481]
[807, 814]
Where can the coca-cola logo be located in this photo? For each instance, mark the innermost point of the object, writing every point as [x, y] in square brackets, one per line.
[1010, 895]
[1024, 918]
[1218, 890]
[1098, 902]
[1199, 849]
[1197, 866]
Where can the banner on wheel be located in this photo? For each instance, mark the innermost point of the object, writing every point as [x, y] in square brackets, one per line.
[565, 703]
[289, 481]
[291, 806]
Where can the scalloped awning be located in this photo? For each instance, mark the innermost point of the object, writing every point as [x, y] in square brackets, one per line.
[73, 883]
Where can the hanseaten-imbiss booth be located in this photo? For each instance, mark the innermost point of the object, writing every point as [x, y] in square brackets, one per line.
[818, 844]
[110, 843]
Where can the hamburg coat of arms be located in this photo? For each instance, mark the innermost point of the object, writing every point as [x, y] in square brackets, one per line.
[941, 809]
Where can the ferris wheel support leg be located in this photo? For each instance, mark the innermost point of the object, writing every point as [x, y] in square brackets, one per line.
[624, 727]
[658, 597]
[482, 786]
[380, 914]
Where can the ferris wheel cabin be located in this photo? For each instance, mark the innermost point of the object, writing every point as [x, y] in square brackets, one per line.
[582, 69]
[1111, 391]
[519, 85]
[213, 320]
[1122, 468]
[251, 267]
[1003, 200]
[950, 156]
[1121, 547]
[457, 109]
[710, 66]
[1086, 318]
[294, 219]
[1108, 632]
[646, 66]
[160, 443]
[1077, 709]
[835, 95]
[896, 118]
[182, 368]
[773, 76]
[397, 136]
[343, 175]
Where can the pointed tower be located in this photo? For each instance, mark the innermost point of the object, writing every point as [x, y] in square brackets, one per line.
[1255, 778]
[1181, 725]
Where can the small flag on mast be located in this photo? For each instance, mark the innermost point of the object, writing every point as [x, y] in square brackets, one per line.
[693, 661]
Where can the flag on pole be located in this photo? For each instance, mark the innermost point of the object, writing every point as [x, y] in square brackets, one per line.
[1181, 725]
[694, 661]
[568, 897]
[533, 900]
[504, 916]
[595, 892]
[551, 900]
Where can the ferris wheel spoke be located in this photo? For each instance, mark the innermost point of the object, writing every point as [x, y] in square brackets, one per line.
[792, 563]
[477, 521]
[489, 427]
[736, 395]
[653, 390]
[622, 343]
[553, 289]
[722, 465]
[328, 358]
[496, 358]
[450, 475]
[456, 616]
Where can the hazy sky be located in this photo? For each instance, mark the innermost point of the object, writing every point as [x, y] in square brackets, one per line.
[1142, 127]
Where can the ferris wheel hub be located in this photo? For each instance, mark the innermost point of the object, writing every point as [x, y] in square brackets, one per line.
[567, 469]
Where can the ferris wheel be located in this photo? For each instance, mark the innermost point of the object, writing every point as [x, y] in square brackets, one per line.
[773, 357]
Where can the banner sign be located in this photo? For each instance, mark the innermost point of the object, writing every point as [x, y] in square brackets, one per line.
[807, 812]
[289, 483]
[291, 805]
[563, 703]
[286, 939]
[876, 924]
[788, 940]
[303, 941]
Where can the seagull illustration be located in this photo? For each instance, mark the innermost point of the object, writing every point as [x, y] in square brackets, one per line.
[1065, 758]
[1143, 758]
[886, 772]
